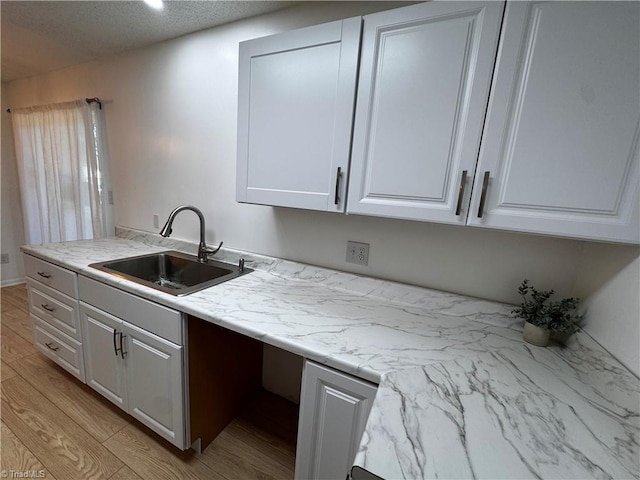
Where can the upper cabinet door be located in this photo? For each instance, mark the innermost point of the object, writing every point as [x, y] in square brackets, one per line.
[295, 109]
[425, 76]
[561, 138]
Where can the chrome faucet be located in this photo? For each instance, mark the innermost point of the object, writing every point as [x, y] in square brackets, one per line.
[203, 250]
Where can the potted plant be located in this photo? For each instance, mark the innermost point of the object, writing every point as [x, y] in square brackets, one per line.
[542, 316]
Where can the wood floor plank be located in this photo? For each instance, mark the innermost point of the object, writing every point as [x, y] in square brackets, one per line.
[62, 446]
[152, 458]
[13, 297]
[125, 473]
[16, 457]
[237, 459]
[95, 414]
[6, 372]
[19, 321]
[262, 441]
[14, 346]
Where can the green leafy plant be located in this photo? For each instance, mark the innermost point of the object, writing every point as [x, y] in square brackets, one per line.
[539, 310]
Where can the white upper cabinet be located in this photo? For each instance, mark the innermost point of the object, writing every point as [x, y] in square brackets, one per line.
[425, 76]
[295, 111]
[561, 136]
[523, 118]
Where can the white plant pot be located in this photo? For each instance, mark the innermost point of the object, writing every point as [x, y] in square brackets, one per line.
[535, 335]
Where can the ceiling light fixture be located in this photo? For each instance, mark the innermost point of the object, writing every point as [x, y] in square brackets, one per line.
[155, 4]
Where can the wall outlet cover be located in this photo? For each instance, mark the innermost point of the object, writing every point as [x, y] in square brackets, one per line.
[358, 253]
[4, 258]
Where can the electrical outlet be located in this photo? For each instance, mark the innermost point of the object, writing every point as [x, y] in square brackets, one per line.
[358, 253]
[4, 258]
[156, 221]
[110, 197]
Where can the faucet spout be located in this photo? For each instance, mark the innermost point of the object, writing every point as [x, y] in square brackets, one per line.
[203, 251]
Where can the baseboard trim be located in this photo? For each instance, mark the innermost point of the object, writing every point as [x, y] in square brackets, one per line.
[12, 281]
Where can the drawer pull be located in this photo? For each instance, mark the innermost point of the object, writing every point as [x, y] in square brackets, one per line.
[48, 345]
[44, 274]
[47, 307]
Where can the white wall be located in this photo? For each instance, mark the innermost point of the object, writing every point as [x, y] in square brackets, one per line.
[171, 122]
[11, 229]
[609, 282]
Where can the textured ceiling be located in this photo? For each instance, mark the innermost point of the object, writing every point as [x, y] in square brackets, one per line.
[42, 36]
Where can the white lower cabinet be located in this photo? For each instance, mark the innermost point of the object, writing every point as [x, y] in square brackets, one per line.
[103, 365]
[137, 370]
[154, 383]
[334, 408]
[53, 304]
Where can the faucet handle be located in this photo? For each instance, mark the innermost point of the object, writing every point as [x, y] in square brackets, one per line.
[211, 251]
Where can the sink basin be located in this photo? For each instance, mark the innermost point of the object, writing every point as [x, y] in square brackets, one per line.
[172, 272]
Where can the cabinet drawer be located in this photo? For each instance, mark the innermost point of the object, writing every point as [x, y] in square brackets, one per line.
[55, 308]
[51, 275]
[154, 318]
[60, 348]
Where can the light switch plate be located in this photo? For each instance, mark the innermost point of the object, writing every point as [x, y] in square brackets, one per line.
[358, 253]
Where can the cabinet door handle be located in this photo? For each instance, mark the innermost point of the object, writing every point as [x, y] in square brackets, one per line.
[338, 175]
[44, 274]
[122, 352]
[115, 342]
[463, 183]
[55, 349]
[483, 196]
[47, 307]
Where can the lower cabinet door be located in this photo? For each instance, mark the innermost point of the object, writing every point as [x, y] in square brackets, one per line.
[103, 363]
[333, 412]
[155, 383]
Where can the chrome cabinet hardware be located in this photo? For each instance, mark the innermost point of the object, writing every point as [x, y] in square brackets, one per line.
[44, 274]
[483, 196]
[463, 183]
[48, 345]
[338, 176]
[47, 307]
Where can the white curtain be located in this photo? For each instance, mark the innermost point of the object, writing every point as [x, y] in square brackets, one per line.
[61, 165]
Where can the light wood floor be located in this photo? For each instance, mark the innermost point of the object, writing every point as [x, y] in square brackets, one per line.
[55, 427]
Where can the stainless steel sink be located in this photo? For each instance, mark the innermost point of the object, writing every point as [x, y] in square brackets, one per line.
[172, 272]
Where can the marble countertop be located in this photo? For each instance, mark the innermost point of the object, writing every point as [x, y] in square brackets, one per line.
[505, 414]
[404, 337]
